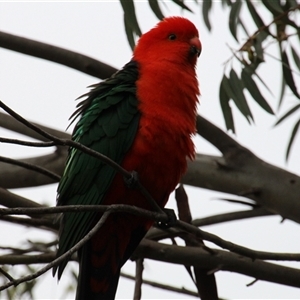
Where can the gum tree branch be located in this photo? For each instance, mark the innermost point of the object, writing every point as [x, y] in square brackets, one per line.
[32, 167]
[58, 55]
[240, 172]
[10, 123]
[53, 162]
[220, 260]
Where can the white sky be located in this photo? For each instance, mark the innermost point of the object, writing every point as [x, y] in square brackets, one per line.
[44, 92]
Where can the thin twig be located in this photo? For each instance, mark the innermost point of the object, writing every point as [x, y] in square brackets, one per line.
[26, 143]
[114, 208]
[157, 234]
[234, 247]
[262, 28]
[6, 274]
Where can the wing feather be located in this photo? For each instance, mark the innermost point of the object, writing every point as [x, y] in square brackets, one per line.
[108, 124]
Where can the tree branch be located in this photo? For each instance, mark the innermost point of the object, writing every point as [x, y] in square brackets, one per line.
[53, 162]
[32, 167]
[59, 55]
[220, 260]
[10, 123]
[240, 172]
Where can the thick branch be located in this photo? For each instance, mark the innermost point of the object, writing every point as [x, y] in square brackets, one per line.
[11, 200]
[12, 176]
[59, 55]
[10, 123]
[221, 260]
[240, 172]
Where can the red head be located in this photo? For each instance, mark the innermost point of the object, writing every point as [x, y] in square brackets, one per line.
[174, 39]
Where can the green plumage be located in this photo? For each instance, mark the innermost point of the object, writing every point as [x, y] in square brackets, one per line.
[108, 124]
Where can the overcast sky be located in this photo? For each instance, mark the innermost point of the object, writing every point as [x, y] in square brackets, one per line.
[44, 92]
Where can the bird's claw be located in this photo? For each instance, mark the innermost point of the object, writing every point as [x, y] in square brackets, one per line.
[171, 219]
[132, 181]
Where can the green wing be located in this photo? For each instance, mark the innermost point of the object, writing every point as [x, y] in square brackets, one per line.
[108, 124]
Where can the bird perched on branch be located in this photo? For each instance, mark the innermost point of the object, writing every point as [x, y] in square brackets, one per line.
[142, 118]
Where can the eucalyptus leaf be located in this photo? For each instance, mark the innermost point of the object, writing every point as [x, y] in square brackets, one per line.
[182, 5]
[292, 139]
[295, 57]
[206, 8]
[234, 17]
[130, 16]
[251, 86]
[129, 33]
[156, 9]
[287, 73]
[282, 91]
[287, 114]
[226, 109]
[292, 3]
[239, 97]
[257, 19]
[273, 6]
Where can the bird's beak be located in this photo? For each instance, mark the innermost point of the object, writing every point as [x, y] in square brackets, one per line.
[196, 46]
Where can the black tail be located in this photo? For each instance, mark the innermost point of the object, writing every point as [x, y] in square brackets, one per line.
[95, 283]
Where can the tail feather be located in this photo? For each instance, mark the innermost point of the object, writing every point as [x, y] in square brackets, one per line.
[95, 283]
[101, 258]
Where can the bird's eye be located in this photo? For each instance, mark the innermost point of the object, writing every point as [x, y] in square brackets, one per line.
[172, 37]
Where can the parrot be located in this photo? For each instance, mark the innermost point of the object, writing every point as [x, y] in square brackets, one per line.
[143, 118]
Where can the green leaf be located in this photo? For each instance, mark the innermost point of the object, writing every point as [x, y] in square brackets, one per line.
[295, 57]
[258, 48]
[257, 19]
[273, 6]
[129, 33]
[240, 21]
[287, 73]
[292, 3]
[224, 101]
[251, 86]
[292, 138]
[283, 85]
[130, 16]
[226, 2]
[156, 9]
[234, 17]
[287, 114]
[251, 70]
[182, 5]
[239, 97]
[206, 8]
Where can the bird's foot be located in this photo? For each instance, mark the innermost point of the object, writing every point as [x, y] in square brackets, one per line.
[171, 219]
[132, 181]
